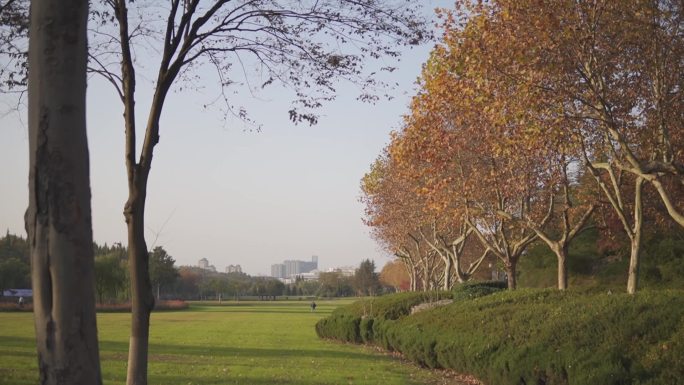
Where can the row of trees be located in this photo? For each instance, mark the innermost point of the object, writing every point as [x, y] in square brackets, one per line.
[533, 121]
[111, 270]
[193, 283]
[112, 281]
[14, 263]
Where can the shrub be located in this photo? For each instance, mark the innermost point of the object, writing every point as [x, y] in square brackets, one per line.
[346, 324]
[470, 290]
[550, 337]
[366, 330]
[343, 327]
[543, 336]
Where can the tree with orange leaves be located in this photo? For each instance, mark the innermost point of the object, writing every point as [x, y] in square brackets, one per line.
[519, 128]
[611, 73]
[394, 274]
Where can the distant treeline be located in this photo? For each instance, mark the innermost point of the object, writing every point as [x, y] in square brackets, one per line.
[185, 282]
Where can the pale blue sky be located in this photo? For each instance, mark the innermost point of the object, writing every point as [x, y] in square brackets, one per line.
[232, 196]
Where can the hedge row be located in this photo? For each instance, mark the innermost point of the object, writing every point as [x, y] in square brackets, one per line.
[367, 320]
[353, 323]
[537, 336]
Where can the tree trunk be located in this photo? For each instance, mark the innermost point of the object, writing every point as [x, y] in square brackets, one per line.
[58, 219]
[411, 271]
[447, 272]
[635, 239]
[142, 299]
[425, 279]
[562, 256]
[634, 262]
[510, 272]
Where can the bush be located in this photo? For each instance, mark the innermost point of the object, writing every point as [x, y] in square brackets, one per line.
[366, 330]
[343, 327]
[345, 323]
[547, 337]
[470, 290]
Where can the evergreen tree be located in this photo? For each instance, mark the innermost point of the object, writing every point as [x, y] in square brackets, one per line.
[366, 280]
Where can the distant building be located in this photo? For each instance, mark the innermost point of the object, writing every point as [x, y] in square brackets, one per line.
[18, 293]
[310, 276]
[347, 271]
[204, 265]
[292, 268]
[233, 269]
[278, 270]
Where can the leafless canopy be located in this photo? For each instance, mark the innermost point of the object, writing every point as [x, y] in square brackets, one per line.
[301, 45]
[13, 44]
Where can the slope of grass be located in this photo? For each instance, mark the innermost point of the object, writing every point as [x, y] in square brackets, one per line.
[540, 337]
[248, 343]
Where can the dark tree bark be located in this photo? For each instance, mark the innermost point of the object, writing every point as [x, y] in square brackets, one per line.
[58, 219]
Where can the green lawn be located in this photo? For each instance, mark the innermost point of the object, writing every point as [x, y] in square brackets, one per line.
[249, 343]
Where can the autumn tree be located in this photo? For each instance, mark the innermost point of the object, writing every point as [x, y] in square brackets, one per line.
[519, 96]
[424, 229]
[613, 70]
[395, 217]
[427, 156]
[526, 132]
[394, 275]
[470, 176]
[58, 219]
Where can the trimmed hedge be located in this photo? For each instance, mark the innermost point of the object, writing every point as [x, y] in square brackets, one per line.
[542, 336]
[470, 290]
[357, 322]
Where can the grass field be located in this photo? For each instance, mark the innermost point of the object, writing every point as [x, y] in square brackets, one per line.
[251, 343]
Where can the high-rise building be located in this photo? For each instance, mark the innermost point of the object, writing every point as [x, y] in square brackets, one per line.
[291, 268]
[278, 270]
[233, 269]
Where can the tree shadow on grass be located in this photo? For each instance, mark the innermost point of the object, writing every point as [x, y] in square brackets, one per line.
[192, 359]
[248, 380]
[18, 342]
[233, 351]
[8, 343]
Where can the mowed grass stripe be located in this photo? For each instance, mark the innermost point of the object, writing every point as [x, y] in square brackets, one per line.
[232, 343]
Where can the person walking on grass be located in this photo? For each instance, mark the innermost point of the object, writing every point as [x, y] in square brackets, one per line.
[313, 306]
